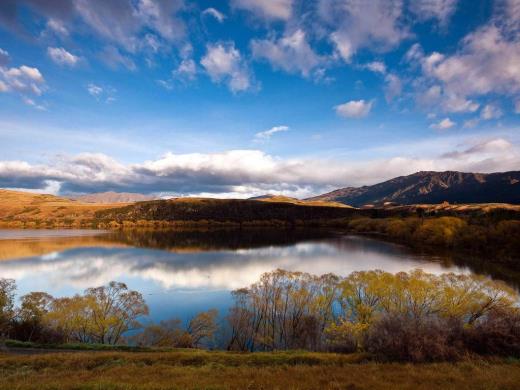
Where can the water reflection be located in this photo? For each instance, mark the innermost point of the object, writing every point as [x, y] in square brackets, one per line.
[183, 272]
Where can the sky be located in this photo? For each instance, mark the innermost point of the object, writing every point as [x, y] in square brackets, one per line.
[238, 98]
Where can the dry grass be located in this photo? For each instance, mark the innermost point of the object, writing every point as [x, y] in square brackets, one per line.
[24, 206]
[220, 370]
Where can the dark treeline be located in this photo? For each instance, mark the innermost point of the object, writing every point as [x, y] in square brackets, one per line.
[411, 316]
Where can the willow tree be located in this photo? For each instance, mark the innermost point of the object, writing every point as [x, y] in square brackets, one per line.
[114, 310]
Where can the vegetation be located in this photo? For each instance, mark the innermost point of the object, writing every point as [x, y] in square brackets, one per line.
[413, 316]
[482, 235]
[224, 370]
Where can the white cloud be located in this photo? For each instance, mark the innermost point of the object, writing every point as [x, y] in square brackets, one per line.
[442, 10]
[444, 124]
[266, 9]
[253, 172]
[106, 94]
[223, 62]
[487, 62]
[24, 79]
[490, 111]
[375, 24]
[219, 16]
[94, 90]
[517, 107]
[376, 67]
[291, 53]
[267, 134]
[354, 109]
[62, 57]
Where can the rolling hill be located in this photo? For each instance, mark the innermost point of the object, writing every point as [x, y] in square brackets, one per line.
[433, 187]
[112, 197]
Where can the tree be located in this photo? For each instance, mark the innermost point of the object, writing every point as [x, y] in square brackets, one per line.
[115, 310]
[7, 312]
[33, 310]
[167, 333]
[202, 327]
[72, 318]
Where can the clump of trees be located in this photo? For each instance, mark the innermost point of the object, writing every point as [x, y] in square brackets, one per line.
[407, 316]
[100, 315]
[482, 235]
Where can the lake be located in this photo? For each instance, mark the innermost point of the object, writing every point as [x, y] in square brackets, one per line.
[181, 273]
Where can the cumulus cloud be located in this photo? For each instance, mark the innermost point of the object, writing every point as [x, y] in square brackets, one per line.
[62, 57]
[224, 63]
[486, 63]
[266, 9]
[24, 79]
[444, 124]
[354, 108]
[291, 53]
[219, 16]
[375, 24]
[267, 134]
[246, 173]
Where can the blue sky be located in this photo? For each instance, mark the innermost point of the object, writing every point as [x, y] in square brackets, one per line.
[244, 97]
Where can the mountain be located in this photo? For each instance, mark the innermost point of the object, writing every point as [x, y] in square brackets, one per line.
[433, 187]
[112, 197]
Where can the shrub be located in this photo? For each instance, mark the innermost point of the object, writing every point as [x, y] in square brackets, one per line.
[498, 333]
[400, 338]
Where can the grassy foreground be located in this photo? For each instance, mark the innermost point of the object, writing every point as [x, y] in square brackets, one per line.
[221, 370]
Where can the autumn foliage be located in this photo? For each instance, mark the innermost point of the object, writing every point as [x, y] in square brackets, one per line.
[407, 316]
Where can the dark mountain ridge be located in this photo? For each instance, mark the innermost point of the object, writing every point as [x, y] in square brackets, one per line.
[427, 187]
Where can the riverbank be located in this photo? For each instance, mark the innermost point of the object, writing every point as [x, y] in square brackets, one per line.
[224, 370]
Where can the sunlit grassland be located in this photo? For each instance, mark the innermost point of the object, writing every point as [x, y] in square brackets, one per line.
[224, 370]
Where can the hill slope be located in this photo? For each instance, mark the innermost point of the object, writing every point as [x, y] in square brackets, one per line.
[433, 187]
[112, 197]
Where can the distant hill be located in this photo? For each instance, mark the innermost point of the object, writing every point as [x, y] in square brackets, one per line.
[433, 187]
[112, 197]
[287, 199]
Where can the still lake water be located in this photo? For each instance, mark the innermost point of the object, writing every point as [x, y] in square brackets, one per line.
[181, 273]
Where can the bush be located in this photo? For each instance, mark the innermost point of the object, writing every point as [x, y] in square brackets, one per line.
[498, 334]
[400, 338]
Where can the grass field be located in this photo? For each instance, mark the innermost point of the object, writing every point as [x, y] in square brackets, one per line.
[221, 370]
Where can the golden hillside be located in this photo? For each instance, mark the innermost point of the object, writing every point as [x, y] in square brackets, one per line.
[24, 208]
[286, 199]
